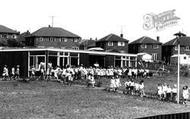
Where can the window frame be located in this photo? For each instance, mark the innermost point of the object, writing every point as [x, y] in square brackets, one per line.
[121, 43]
[110, 43]
[144, 46]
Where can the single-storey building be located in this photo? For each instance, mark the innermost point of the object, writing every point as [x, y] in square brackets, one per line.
[28, 57]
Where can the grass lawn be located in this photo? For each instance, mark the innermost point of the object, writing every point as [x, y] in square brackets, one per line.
[52, 100]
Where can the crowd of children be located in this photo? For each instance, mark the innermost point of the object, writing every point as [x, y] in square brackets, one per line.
[134, 88]
[69, 74]
[166, 92]
[13, 75]
[169, 93]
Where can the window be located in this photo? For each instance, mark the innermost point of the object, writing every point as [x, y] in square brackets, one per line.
[51, 39]
[187, 48]
[15, 36]
[121, 43]
[75, 40]
[154, 56]
[65, 39]
[143, 46]
[155, 46]
[75, 48]
[110, 43]
[59, 40]
[41, 39]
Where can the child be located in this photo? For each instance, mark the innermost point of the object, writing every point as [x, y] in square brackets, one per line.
[127, 87]
[33, 72]
[160, 92]
[49, 72]
[132, 87]
[112, 84]
[117, 81]
[164, 88]
[17, 73]
[12, 73]
[91, 80]
[141, 88]
[136, 88]
[174, 92]
[168, 93]
[68, 75]
[5, 72]
[185, 94]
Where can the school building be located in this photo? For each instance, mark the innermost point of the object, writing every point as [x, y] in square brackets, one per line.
[28, 57]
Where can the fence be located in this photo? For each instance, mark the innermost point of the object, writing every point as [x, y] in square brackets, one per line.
[185, 115]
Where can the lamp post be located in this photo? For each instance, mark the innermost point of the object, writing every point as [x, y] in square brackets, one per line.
[178, 36]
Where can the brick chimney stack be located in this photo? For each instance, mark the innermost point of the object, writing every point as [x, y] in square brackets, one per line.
[121, 35]
[158, 38]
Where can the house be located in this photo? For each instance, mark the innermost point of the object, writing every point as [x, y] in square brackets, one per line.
[7, 36]
[113, 43]
[184, 59]
[22, 37]
[147, 45]
[53, 37]
[170, 48]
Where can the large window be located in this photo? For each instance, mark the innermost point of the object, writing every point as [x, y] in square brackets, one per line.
[121, 43]
[143, 46]
[110, 43]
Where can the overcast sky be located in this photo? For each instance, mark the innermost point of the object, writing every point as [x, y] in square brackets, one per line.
[94, 18]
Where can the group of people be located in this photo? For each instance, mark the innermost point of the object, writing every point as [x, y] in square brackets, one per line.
[69, 74]
[14, 74]
[134, 88]
[166, 92]
[169, 93]
[81, 72]
[131, 87]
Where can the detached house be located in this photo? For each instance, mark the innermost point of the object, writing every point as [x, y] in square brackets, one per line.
[170, 48]
[113, 43]
[7, 34]
[53, 37]
[147, 45]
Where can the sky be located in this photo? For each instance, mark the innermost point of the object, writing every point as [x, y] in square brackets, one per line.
[94, 18]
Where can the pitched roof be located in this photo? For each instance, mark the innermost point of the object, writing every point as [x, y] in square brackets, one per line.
[112, 37]
[54, 32]
[145, 40]
[185, 41]
[4, 29]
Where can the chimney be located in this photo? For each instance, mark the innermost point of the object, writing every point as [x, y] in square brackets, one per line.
[158, 38]
[121, 35]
